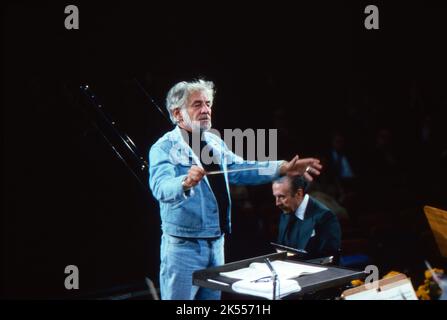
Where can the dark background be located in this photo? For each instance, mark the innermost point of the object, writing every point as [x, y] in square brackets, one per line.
[313, 68]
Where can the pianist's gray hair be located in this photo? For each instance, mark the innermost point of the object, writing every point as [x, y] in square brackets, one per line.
[179, 93]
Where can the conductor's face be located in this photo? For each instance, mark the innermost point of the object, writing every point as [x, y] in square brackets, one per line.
[284, 197]
[197, 113]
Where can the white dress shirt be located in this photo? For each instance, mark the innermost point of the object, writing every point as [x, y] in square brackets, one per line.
[299, 213]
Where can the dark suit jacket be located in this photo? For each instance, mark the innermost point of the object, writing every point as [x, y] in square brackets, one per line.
[296, 233]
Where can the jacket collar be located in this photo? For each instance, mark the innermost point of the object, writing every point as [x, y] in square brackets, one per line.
[184, 153]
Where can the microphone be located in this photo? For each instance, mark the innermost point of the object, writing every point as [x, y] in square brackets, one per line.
[274, 275]
[272, 270]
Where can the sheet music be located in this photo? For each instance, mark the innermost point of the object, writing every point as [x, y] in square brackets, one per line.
[264, 289]
[401, 290]
[284, 269]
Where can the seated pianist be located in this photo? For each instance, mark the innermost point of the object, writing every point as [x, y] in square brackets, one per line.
[305, 223]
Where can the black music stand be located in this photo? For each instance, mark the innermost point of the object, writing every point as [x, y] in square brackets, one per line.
[333, 277]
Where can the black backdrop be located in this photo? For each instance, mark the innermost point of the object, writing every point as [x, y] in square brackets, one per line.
[69, 200]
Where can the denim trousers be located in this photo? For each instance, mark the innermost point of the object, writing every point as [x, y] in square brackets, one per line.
[180, 257]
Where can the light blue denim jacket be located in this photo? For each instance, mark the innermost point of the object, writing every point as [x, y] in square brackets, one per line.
[194, 213]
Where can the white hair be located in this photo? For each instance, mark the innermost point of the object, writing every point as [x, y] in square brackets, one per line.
[178, 95]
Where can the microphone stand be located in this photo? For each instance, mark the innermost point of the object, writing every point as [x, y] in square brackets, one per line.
[152, 100]
[274, 276]
[124, 138]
